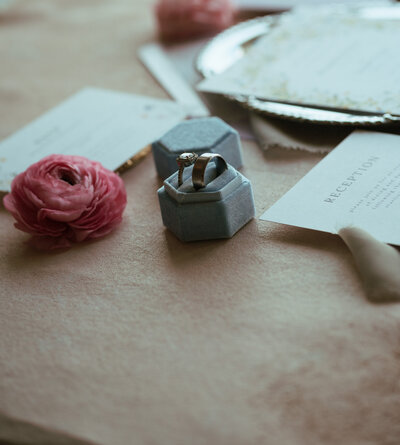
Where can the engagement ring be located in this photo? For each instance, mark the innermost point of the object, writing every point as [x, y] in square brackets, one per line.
[184, 160]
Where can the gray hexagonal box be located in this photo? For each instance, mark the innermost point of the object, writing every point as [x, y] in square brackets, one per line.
[203, 135]
[218, 210]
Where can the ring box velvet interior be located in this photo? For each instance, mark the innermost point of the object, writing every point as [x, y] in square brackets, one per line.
[205, 135]
[218, 210]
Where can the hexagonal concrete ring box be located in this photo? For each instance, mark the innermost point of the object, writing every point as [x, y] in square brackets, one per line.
[204, 135]
[218, 210]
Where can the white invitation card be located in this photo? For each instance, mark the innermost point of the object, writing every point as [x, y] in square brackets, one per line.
[102, 125]
[356, 184]
[342, 58]
[279, 5]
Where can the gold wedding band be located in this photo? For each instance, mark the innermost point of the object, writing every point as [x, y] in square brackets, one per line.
[184, 160]
[200, 166]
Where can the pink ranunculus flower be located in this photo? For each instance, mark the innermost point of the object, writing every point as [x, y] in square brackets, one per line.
[63, 199]
[183, 19]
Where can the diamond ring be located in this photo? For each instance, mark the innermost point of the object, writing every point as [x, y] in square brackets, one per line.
[184, 160]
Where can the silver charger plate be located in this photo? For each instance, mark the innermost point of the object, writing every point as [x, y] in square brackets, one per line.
[230, 46]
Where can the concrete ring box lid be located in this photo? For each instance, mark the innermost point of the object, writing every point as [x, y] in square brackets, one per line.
[218, 210]
[199, 136]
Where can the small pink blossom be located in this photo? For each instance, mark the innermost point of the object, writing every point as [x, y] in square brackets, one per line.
[63, 199]
[183, 19]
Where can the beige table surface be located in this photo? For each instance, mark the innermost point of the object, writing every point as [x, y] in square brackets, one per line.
[140, 339]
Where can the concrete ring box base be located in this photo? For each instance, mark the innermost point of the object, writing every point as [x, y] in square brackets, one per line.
[218, 210]
[205, 135]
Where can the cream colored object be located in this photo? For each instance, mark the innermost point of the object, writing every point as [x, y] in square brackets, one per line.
[378, 264]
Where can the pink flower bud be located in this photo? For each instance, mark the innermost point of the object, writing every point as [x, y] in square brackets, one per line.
[183, 19]
[66, 199]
